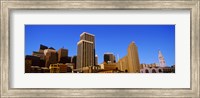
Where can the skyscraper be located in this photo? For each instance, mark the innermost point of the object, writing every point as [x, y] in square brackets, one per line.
[130, 63]
[62, 55]
[51, 57]
[133, 58]
[86, 51]
[161, 59]
[109, 57]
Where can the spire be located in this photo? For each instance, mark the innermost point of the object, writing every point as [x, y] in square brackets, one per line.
[161, 59]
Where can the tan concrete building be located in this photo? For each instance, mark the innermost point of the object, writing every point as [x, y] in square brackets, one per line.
[133, 58]
[51, 58]
[108, 68]
[58, 68]
[130, 62]
[39, 54]
[86, 51]
[122, 64]
[111, 66]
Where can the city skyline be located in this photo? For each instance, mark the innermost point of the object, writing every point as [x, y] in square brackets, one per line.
[108, 38]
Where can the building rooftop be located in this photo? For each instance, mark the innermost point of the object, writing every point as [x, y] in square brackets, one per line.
[62, 49]
[37, 52]
[87, 33]
[52, 48]
[108, 53]
[42, 47]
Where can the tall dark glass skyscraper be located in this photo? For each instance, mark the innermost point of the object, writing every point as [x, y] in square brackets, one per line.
[109, 57]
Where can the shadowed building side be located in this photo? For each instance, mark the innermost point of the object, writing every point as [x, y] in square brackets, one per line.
[62, 55]
[109, 57]
[122, 64]
[73, 60]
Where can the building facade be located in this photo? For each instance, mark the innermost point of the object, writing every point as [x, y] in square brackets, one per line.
[62, 55]
[151, 70]
[130, 63]
[42, 48]
[133, 58]
[39, 54]
[122, 64]
[51, 57]
[86, 51]
[109, 57]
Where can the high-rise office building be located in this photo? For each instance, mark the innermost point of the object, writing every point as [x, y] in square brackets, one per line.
[130, 63]
[51, 57]
[86, 51]
[161, 59]
[109, 58]
[133, 58]
[62, 55]
[88, 37]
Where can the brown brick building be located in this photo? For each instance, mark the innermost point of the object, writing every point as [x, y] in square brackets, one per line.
[62, 55]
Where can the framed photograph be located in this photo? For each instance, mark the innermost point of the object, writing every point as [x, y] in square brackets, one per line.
[72, 48]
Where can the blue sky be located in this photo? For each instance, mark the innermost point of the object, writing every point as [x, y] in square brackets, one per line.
[109, 38]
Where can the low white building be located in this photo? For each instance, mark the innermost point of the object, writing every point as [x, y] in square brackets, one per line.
[150, 68]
